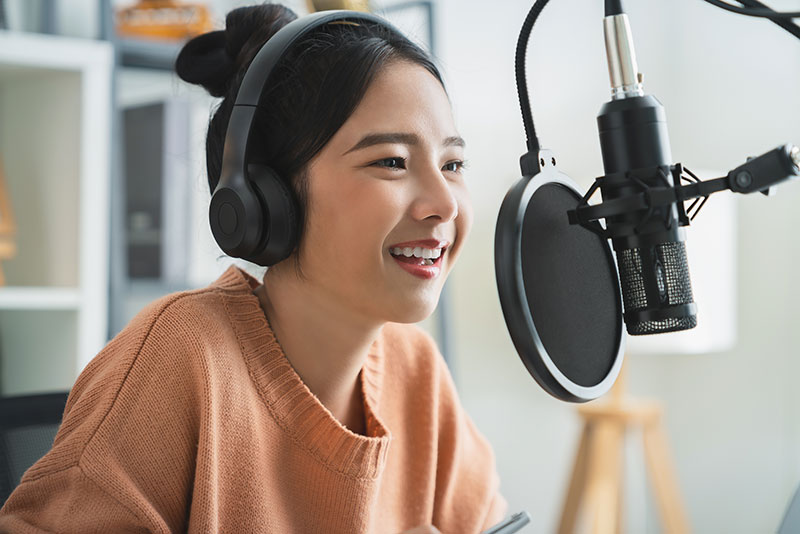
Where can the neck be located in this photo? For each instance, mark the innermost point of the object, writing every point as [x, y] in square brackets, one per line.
[326, 343]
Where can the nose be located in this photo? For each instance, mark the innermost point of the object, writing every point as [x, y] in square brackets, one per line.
[435, 198]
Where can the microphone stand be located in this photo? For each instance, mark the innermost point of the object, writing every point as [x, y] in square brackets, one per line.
[596, 473]
[598, 467]
[598, 463]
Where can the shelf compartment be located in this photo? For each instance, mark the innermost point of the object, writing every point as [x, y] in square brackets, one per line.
[37, 351]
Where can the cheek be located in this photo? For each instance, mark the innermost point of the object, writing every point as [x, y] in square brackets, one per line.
[348, 224]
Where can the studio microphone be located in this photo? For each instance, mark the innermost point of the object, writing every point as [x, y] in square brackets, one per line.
[566, 296]
[649, 245]
[643, 192]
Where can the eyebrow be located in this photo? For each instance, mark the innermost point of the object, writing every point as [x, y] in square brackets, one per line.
[400, 138]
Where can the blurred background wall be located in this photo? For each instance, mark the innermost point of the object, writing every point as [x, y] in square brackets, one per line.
[730, 87]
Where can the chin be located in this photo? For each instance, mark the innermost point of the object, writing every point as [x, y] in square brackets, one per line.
[414, 316]
[410, 319]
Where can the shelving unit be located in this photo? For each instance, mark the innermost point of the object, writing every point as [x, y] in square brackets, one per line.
[143, 75]
[54, 151]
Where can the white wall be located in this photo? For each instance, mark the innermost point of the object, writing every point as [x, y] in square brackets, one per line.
[730, 86]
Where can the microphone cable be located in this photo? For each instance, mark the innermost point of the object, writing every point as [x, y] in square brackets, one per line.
[778, 18]
[753, 11]
[530, 161]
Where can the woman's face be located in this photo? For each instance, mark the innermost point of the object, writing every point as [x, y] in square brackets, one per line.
[389, 184]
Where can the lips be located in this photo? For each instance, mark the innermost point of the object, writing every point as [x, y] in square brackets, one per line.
[418, 266]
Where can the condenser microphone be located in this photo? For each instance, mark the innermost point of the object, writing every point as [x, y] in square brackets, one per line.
[648, 244]
[567, 297]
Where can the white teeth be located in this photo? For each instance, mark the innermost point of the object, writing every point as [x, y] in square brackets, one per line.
[419, 252]
[427, 261]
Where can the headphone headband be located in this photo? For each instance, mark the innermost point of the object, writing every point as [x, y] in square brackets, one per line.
[257, 76]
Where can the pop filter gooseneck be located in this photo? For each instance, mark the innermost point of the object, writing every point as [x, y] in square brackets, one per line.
[557, 282]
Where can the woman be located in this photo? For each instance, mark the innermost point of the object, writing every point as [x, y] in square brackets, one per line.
[307, 402]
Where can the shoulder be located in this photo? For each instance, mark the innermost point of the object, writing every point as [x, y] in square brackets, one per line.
[173, 332]
[160, 336]
[165, 324]
[175, 324]
[159, 358]
[146, 366]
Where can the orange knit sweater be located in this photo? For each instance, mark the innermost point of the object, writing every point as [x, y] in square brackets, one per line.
[192, 419]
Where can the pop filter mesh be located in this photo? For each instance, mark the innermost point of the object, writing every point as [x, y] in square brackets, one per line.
[571, 287]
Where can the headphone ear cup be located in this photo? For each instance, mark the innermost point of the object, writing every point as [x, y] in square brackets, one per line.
[279, 216]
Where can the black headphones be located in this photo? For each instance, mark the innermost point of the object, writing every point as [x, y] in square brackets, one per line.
[253, 212]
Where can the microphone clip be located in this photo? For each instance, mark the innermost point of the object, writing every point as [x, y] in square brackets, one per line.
[760, 174]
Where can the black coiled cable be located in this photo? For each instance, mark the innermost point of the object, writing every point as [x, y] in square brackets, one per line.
[529, 161]
[751, 11]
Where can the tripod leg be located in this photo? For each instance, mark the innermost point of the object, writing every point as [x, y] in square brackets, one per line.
[662, 474]
[569, 514]
[603, 490]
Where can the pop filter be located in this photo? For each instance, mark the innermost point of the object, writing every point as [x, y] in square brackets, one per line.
[559, 288]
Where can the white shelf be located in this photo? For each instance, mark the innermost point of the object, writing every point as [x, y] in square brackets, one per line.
[34, 54]
[55, 129]
[40, 298]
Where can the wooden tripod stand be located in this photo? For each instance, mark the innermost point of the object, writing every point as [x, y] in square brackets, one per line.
[598, 464]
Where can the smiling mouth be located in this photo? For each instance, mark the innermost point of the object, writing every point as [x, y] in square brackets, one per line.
[421, 256]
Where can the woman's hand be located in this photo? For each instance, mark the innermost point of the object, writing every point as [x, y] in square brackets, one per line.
[427, 529]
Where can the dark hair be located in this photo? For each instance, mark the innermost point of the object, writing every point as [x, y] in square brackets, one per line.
[312, 92]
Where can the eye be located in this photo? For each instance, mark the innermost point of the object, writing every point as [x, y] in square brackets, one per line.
[391, 163]
[455, 166]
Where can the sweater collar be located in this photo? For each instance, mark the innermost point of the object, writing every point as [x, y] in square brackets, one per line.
[296, 409]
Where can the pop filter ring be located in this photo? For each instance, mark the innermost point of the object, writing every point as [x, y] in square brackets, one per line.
[537, 172]
[511, 288]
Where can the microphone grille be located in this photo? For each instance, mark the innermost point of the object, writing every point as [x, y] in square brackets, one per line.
[653, 280]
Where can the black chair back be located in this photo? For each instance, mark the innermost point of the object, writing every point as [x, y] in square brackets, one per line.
[28, 425]
[791, 520]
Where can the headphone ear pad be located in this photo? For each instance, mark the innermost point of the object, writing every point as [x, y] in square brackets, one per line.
[279, 234]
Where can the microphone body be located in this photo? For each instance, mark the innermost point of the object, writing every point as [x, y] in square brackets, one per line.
[650, 247]
[649, 244]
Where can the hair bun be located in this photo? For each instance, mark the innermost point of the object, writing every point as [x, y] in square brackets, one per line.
[205, 61]
[214, 59]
